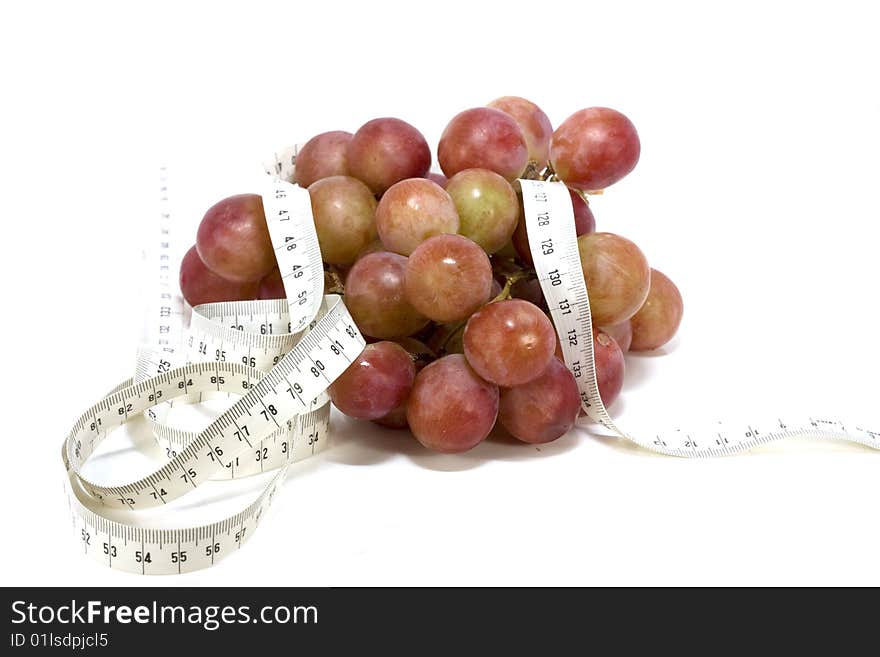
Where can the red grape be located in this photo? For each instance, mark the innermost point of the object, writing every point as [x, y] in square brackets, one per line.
[487, 207]
[509, 342]
[272, 286]
[622, 333]
[594, 148]
[450, 408]
[617, 275]
[658, 319]
[375, 383]
[233, 239]
[610, 366]
[438, 178]
[413, 210]
[485, 138]
[448, 277]
[421, 355]
[376, 298]
[200, 285]
[533, 122]
[385, 151]
[584, 221]
[344, 209]
[323, 156]
[542, 409]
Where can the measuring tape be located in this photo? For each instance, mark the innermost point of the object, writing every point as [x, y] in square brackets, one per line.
[278, 356]
[550, 226]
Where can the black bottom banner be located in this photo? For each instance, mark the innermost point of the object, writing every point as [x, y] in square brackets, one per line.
[177, 621]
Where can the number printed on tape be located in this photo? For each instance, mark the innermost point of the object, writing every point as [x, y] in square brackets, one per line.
[279, 357]
[550, 225]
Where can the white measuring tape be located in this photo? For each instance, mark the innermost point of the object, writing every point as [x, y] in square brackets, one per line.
[553, 243]
[280, 357]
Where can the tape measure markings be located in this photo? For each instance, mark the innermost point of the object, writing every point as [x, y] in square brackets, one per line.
[550, 226]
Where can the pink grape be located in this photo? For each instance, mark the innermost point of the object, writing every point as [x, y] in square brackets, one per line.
[323, 156]
[233, 239]
[584, 222]
[594, 148]
[658, 319]
[483, 138]
[610, 366]
[438, 178]
[450, 408]
[200, 285]
[542, 409]
[375, 383]
[421, 356]
[622, 333]
[385, 151]
[509, 342]
[272, 286]
[617, 275]
[534, 124]
[487, 207]
[448, 277]
[376, 298]
[413, 210]
[344, 210]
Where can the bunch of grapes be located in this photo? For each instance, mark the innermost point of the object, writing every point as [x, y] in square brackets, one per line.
[437, 272]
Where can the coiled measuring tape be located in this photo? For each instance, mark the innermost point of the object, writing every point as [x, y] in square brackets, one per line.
[278, 356]
[553, 243]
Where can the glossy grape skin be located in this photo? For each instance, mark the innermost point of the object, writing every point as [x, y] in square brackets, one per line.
[542, 409]
[421, 356]
[617, 275]
[413, 210]
[233, 239]
[509, 342]
[375, 383]
[533, 122]
[322, 156]
[594, 148]
[198, 284]
[272, 286]
[658, 319]
[487, 207]
[584, 222]
[438, 178]
[450, 408]
[385, 151]
[622, 333]
[483, 138]
[376, 298]
[344, 210]
[610, 366]
[448, 277]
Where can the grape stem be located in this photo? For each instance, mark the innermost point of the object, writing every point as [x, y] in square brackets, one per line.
[333, 281]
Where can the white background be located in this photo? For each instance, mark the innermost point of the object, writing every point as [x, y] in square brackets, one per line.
[757, 192]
